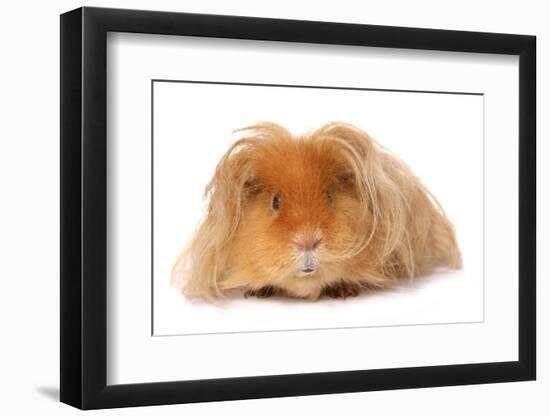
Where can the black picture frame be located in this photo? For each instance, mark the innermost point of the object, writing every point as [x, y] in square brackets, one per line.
[83, 178]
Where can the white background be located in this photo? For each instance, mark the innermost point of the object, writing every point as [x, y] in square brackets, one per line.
[434, 133]
[29, 169]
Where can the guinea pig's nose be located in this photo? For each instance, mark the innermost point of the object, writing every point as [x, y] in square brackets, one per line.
[307, 244]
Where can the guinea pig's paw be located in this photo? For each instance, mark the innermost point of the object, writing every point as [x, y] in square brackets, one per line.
[342, 290]
[262, 292]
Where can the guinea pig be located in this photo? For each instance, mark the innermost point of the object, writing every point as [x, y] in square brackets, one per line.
[328, 213]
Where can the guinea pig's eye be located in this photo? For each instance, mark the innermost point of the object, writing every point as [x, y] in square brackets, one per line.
[276, 201]
[330, 198]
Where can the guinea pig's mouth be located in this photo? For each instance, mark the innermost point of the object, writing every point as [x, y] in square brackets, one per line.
[307, 271]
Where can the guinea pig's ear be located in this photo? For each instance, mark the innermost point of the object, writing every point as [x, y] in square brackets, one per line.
[364, 163]
[252, 187]
[344, 176]
[356, 156]
[233, 180]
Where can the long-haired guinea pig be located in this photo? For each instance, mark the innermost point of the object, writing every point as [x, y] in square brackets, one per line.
[329, 213]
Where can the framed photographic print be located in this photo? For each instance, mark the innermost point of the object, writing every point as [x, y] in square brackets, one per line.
[258, 207]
